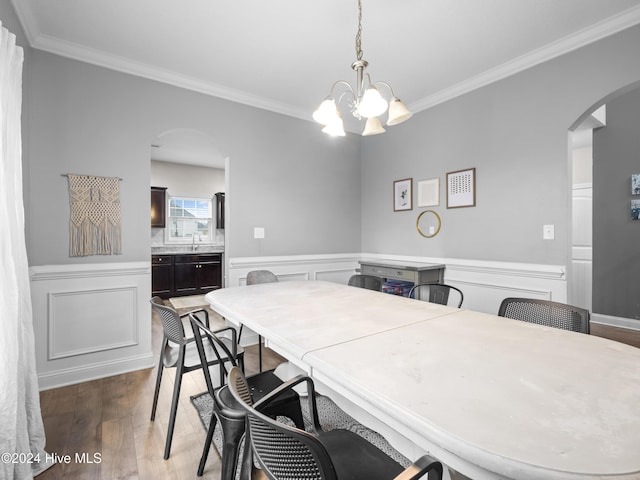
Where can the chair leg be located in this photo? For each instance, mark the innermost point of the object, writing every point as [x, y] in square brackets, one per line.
[207, 444]
[158, 381]
[232, 432]
[246, 469]
[240, 360]
[174, 403]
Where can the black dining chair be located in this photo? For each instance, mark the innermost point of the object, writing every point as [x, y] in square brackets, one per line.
[370, 282]
[545, 312]
[180, 352]
[439, 293]
[225, 408]
[288, 453]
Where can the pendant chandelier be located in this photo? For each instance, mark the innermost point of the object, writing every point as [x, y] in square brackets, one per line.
[363, 101]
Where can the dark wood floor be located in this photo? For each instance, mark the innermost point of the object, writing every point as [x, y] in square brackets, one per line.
[110, 417]
[623, 335]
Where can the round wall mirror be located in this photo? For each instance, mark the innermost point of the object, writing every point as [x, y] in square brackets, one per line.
[428, 223]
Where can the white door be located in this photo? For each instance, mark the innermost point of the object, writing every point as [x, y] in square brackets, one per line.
[581, 248]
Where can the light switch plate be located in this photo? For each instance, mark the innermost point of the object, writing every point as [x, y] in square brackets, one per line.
[548, 232]
[258, 232]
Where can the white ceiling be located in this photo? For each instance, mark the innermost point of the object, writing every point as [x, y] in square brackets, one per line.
[284, 55]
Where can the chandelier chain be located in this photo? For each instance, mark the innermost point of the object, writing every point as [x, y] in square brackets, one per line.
[359, 32]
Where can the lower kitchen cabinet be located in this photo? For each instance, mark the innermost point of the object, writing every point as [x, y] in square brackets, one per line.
[161, 275]
[191, 274]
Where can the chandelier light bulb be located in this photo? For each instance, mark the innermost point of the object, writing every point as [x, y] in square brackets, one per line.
[373, 127]
[398, 112]
[335, 127]
[372, 104]
[326, 112]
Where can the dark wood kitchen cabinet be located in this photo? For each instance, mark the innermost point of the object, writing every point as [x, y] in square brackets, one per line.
[197, 273]
[158, 207]
[161, 275]
[185, 274]
[220, 210]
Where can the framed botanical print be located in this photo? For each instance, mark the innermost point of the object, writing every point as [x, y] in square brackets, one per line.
[402, 194]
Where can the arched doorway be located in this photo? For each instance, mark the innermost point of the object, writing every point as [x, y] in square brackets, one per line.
[614, 236]
[192, 172]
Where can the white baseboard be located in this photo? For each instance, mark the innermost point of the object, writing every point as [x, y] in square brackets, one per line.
[86, 373]
[620, 322]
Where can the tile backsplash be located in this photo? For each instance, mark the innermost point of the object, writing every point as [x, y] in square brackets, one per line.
[157, 237]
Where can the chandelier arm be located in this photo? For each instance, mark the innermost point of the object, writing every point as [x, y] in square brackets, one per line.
[348, 92]
[341, 82]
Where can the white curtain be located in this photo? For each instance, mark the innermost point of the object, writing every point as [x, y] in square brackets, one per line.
[22, 437]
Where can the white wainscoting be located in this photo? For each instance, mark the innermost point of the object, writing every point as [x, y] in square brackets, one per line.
[484, 283]
[331, 268]
[90, 321]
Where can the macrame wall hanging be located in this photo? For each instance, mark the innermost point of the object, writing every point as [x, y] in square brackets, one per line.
[94, 226]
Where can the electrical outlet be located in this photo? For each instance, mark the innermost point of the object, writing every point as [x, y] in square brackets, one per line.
[258, 232]
[548, 232]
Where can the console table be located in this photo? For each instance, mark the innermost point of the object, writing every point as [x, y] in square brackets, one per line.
[415, 272]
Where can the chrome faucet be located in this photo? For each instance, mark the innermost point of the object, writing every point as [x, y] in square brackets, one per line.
[193, 240]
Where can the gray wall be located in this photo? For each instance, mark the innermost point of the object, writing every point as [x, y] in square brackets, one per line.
[515, 133]
[616, 238]
[304, 188]
[187, 180]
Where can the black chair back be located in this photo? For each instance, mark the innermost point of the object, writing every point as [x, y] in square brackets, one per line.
[544, 312]
[439, 293]
[171, 323]
[283, 452]
[370, 282]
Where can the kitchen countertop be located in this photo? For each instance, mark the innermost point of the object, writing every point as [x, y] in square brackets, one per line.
[178, 249]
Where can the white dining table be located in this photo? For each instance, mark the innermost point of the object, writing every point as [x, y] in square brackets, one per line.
[491, 397]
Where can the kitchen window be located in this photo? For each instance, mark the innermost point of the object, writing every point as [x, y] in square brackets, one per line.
[190, 220]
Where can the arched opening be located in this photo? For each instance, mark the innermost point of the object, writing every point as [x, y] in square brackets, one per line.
[605, 261]
[188, 179]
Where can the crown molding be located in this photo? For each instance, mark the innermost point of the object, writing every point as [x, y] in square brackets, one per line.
[591, 34]
[27, 19]
[586, 36]
[114, 62]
